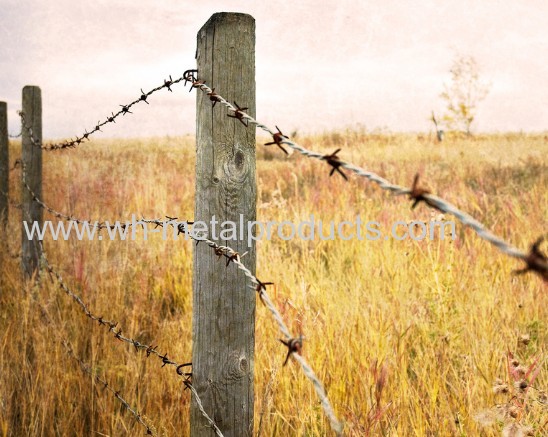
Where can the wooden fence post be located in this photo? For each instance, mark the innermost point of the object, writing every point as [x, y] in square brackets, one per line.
[4, 165]
[31, 156]
[223, 304]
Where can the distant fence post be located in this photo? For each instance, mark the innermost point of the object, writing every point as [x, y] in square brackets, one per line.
[4, 165]
[223, 304]
[32, 161]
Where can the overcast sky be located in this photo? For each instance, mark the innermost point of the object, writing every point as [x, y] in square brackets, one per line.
[320, 64]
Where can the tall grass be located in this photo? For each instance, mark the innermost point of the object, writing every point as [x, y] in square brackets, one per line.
[408, 336]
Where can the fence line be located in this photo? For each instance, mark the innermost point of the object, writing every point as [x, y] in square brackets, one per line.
[534, 261]
[86, 368]
[110, 119]
[294, 344]
[149, 349]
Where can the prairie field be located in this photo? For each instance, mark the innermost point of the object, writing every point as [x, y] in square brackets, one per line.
[409, 337]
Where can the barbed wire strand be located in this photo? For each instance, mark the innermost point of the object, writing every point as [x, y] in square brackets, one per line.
[260, 288]
[432, 200]
[109, 119]
[257, 285]
[111, 325]
[15, 136]
[87, 369]
[149, 349]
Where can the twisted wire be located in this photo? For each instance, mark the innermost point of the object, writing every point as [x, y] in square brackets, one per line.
[111, 325]
[259, 286]
[434, 201]
[86, 368]
[125, 109]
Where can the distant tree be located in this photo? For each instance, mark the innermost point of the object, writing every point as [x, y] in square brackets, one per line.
[439, 131]
[463, 94]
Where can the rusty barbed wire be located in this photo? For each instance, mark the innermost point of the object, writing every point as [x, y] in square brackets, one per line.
[257, 285]
[149, 349]
[97, 224]
[533, 262]
[87, 369]
[260, 287]
[112, 326]
[107, 386]
[15, 136]
[125, 109]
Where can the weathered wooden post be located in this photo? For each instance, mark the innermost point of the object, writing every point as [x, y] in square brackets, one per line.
[31, 156]
[4, 165]
[223, 305]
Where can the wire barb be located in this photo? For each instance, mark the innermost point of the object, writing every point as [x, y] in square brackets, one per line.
[214, 97]
[418, 194]
[293, 345]
[535, 261]
[125, 109]
[432, 201]
[239, 114]
[278, 137]
[261, 288]
[335, 162]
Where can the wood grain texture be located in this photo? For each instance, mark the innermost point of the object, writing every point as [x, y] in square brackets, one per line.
[31, 156]
[223, 304]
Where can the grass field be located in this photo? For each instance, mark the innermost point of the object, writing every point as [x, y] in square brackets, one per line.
[409, 337]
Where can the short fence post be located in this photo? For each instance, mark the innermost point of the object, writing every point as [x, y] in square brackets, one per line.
[223, 304]
[32, 168]
[4, 165]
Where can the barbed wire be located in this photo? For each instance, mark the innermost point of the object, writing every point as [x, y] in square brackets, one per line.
[61, 215]
[535, 261]
[149, 349]
[125, 109]
[106, 386]
[294, 344]
[87, 369]
[111, 325]
[15, 136]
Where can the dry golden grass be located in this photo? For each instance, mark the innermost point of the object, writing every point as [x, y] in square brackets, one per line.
[428, 321]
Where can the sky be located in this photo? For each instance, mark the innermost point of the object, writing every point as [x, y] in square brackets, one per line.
[320, 65]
